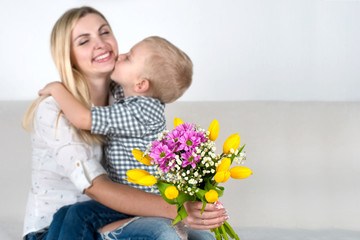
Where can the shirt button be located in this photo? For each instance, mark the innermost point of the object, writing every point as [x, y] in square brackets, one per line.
[78, 164]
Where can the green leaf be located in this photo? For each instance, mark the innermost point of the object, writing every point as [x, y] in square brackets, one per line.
[181, 215]
[203, 207]
[183, 197]
[200, 194]
[209, 185]
[220, 190]
[162, 186]
[233, 155]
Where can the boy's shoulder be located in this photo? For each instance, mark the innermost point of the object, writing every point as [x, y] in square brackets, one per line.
[142, 100]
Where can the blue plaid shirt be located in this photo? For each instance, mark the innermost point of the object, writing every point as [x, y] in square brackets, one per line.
[131, 122]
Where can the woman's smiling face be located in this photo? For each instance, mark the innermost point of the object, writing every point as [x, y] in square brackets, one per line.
[93, 46]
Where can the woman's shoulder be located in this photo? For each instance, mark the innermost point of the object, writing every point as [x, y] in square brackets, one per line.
[49, 103]
[47, 110]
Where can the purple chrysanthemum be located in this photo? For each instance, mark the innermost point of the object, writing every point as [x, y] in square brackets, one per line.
[189, 140]
[174, 135]
[161, 153]
[185, 127]
[189, 159]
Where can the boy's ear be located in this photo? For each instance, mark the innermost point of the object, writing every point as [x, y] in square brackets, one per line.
[142, 85]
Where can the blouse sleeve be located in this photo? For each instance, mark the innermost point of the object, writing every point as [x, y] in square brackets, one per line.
[79, 161]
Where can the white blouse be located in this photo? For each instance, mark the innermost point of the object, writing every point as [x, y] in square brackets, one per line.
[63, 166]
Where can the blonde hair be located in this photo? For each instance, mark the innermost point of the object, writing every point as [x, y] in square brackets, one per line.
[73, 79]
[168, 69]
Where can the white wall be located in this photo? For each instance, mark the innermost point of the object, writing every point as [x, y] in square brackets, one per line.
[296, 50]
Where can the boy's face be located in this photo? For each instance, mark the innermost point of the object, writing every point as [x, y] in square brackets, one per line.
[129, 67]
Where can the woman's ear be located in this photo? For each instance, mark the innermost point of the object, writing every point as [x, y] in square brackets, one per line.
[142, 85]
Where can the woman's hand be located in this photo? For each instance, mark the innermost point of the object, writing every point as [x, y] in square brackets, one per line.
[213, 216]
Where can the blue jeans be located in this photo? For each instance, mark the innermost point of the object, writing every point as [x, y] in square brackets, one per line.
[151, 228]
[39, 235]
[81, 221]
[84, 218]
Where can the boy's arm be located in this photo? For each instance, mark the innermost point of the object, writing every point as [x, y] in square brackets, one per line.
[77, 114]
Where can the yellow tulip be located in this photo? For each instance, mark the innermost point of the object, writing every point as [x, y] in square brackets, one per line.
[240, 172]
[221, 177]
[211, 196]
[171, 192]
[148, 180]
[231, 142]
[136, 173]
[224, 165]
[177, 122]
[139, 155]
[141, 177]
[214, 130]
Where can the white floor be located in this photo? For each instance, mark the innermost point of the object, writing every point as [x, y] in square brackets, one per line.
[296, 234]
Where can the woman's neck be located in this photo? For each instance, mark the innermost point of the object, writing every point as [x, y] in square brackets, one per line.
[99, 91]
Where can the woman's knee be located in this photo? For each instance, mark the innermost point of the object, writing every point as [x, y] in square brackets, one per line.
[145, 228]
[157, 228]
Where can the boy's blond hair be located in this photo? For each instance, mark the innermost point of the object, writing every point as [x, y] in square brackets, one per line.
[168, 69]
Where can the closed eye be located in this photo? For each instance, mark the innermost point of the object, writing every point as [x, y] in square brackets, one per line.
[83, 42]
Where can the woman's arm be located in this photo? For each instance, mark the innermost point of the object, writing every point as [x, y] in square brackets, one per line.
[129, 200]
[77, 114]
[136, 202]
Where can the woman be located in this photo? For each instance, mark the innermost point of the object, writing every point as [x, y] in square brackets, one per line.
[66, 161]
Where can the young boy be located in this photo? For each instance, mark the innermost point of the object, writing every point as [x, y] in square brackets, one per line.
[153, 73]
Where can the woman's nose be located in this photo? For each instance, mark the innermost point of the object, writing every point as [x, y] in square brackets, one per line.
[99, 43]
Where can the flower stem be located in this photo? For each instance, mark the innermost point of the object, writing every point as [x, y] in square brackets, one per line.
[223, 232]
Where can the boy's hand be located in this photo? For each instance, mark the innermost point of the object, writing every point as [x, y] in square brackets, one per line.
[49, 88]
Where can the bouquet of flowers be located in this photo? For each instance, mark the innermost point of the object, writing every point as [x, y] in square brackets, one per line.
[188, 169]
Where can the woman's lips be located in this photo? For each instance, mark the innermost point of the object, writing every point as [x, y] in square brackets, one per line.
[103, 57]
